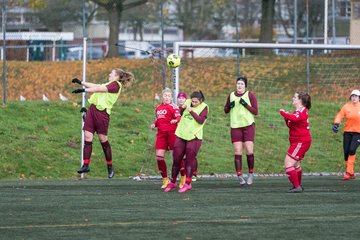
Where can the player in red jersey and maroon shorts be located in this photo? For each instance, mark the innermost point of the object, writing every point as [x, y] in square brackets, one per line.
[98, 116]
[242, 106]
[299, 137]
[167, 117]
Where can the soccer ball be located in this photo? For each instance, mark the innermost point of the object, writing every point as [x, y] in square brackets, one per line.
[173, 60]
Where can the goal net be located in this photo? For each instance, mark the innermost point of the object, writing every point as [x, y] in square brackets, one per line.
[274, 72]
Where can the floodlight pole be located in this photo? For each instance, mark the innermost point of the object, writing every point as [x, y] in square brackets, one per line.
[333, 22]
[162, 46]
[295, 21]
[176, 76]
[83, 99]
[4, 48]
[237, 40]
[307, 52]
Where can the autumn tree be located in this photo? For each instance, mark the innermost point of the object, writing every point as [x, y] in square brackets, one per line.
[197, 18]
[267, 21]
[53, 13]
[315, 20]
[114, 9]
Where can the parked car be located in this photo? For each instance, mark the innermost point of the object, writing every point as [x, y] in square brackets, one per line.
[92, 53]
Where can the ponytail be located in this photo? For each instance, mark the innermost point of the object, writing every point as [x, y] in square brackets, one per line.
[126, 78]
[305, 99]
[199, 95]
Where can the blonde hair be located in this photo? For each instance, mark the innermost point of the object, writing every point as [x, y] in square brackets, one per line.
[166, 90]
[126, 78]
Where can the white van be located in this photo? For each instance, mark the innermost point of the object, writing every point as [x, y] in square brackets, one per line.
[134, 49]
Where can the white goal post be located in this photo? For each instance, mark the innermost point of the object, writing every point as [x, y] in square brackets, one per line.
[178, 45]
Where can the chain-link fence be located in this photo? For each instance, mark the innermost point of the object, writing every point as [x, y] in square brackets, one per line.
[53, 32]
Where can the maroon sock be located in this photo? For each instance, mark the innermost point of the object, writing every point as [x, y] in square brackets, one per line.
[292, 175]
[107, 151]
[195, 167]
[188, 180]
[250, 161]
[161, 165]
[182, 169]
[238, 164]
[299, 174]
[87, 152]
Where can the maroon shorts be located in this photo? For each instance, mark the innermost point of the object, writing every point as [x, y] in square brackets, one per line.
[96, 121]
[244, 134]
[298, 149]
[165, 140]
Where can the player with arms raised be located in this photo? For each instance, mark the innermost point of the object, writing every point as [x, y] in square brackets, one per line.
[98, 116]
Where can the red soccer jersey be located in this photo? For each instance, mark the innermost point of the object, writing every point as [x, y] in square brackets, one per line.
[298, 124]
[164, 114]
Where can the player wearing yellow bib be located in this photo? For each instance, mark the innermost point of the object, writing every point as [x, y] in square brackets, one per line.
[98, 116]
[242, 106]
[189, 135]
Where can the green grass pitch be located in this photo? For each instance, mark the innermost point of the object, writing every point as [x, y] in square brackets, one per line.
[216, 208]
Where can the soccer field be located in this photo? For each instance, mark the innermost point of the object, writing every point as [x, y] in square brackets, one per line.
[216, 208]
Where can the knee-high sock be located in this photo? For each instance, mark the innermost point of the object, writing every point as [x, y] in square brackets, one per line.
[87, 152]
[250, 161]
[182, 169]
[238, 164]
[189, 165]
[298, 170]
[161, 165]
[107, 151]
[195, 172]
[350, 164]
[292, 175]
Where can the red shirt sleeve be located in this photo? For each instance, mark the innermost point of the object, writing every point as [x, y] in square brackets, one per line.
[113, 87]
[296, 116]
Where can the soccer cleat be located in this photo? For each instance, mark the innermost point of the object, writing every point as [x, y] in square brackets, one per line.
[241, 180]
[84, 169]
[182, 181]
[185, 188]
[250, 179]
[165, 182]
[111, 172]
[348, 176]
[299, 189]
[170, 186]
[302, 187]
[194, 178]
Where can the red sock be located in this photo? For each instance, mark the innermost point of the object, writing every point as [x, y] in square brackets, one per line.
[292, 175]
[162, 166]
[299, 174]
